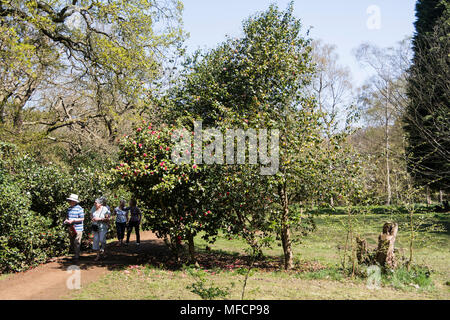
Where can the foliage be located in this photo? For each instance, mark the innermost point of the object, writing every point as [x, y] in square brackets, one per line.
[177, 203]
[33, 204]
[260, 81]
[94, 65]
[204, 291]
[27, 238]
[418, 277]
[427, 116]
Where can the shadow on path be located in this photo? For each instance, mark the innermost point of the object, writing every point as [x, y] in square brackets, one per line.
[120, 257]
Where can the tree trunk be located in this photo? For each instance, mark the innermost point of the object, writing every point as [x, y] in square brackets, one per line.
[286, 234]
[386, 242]
[428, 195]
[191, 245]
[388, 169]
[441, 196]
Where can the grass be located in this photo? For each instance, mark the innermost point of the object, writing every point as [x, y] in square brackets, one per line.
[4, 276]
[319, 275]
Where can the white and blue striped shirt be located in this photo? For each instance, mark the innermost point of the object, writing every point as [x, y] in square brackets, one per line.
[76, 212]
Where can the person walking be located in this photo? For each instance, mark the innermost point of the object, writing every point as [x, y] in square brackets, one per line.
[74, 221]
[100, 217]
[121, 221]
[134, 222]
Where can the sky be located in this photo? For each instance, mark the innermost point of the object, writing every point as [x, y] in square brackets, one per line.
[345, 23]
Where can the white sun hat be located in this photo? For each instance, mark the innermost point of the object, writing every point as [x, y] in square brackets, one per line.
[73, 197]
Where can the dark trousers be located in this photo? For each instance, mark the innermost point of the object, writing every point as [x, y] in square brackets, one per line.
[135, 225]
[121, 230]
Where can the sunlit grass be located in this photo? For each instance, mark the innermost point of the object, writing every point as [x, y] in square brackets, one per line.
[323, 245]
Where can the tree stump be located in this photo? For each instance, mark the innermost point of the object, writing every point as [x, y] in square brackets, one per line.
[385, 252]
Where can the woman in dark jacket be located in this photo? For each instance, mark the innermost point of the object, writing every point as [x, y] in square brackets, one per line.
[134, 221]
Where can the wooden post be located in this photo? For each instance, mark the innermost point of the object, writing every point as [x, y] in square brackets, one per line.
[386, 241]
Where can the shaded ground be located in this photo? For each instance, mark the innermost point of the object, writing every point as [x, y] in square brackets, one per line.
[48, 282]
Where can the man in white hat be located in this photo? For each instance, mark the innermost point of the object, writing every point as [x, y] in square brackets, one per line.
[75, 218]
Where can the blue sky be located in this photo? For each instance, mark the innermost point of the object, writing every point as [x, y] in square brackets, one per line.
[342, 23]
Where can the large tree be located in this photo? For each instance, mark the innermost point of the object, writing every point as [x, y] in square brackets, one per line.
[74, 71]
[383, 99]
[428, 113]
[261, 81]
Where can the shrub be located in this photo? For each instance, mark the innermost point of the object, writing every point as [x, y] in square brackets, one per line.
[27, 239]
[33, 206]
[175, 199]
[204, 290]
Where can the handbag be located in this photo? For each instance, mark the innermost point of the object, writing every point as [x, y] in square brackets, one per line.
[72, 231]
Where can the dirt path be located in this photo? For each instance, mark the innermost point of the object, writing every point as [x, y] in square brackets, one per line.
[48, 282]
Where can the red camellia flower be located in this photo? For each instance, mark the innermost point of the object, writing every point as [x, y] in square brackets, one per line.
[139, 129]
[194, 166]
[140, 145]
[145, 156]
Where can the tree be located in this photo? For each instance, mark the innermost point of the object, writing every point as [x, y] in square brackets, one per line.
[384, 98]
[428, 113]
[332, 87]
[176, 197]
[261, 81]
[83, 67]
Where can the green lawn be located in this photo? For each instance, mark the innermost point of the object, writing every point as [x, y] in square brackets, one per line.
[318, 254]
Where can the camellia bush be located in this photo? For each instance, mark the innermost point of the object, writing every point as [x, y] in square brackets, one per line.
[175, 197]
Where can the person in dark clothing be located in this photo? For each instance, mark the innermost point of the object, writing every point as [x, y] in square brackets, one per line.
[134, 221]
